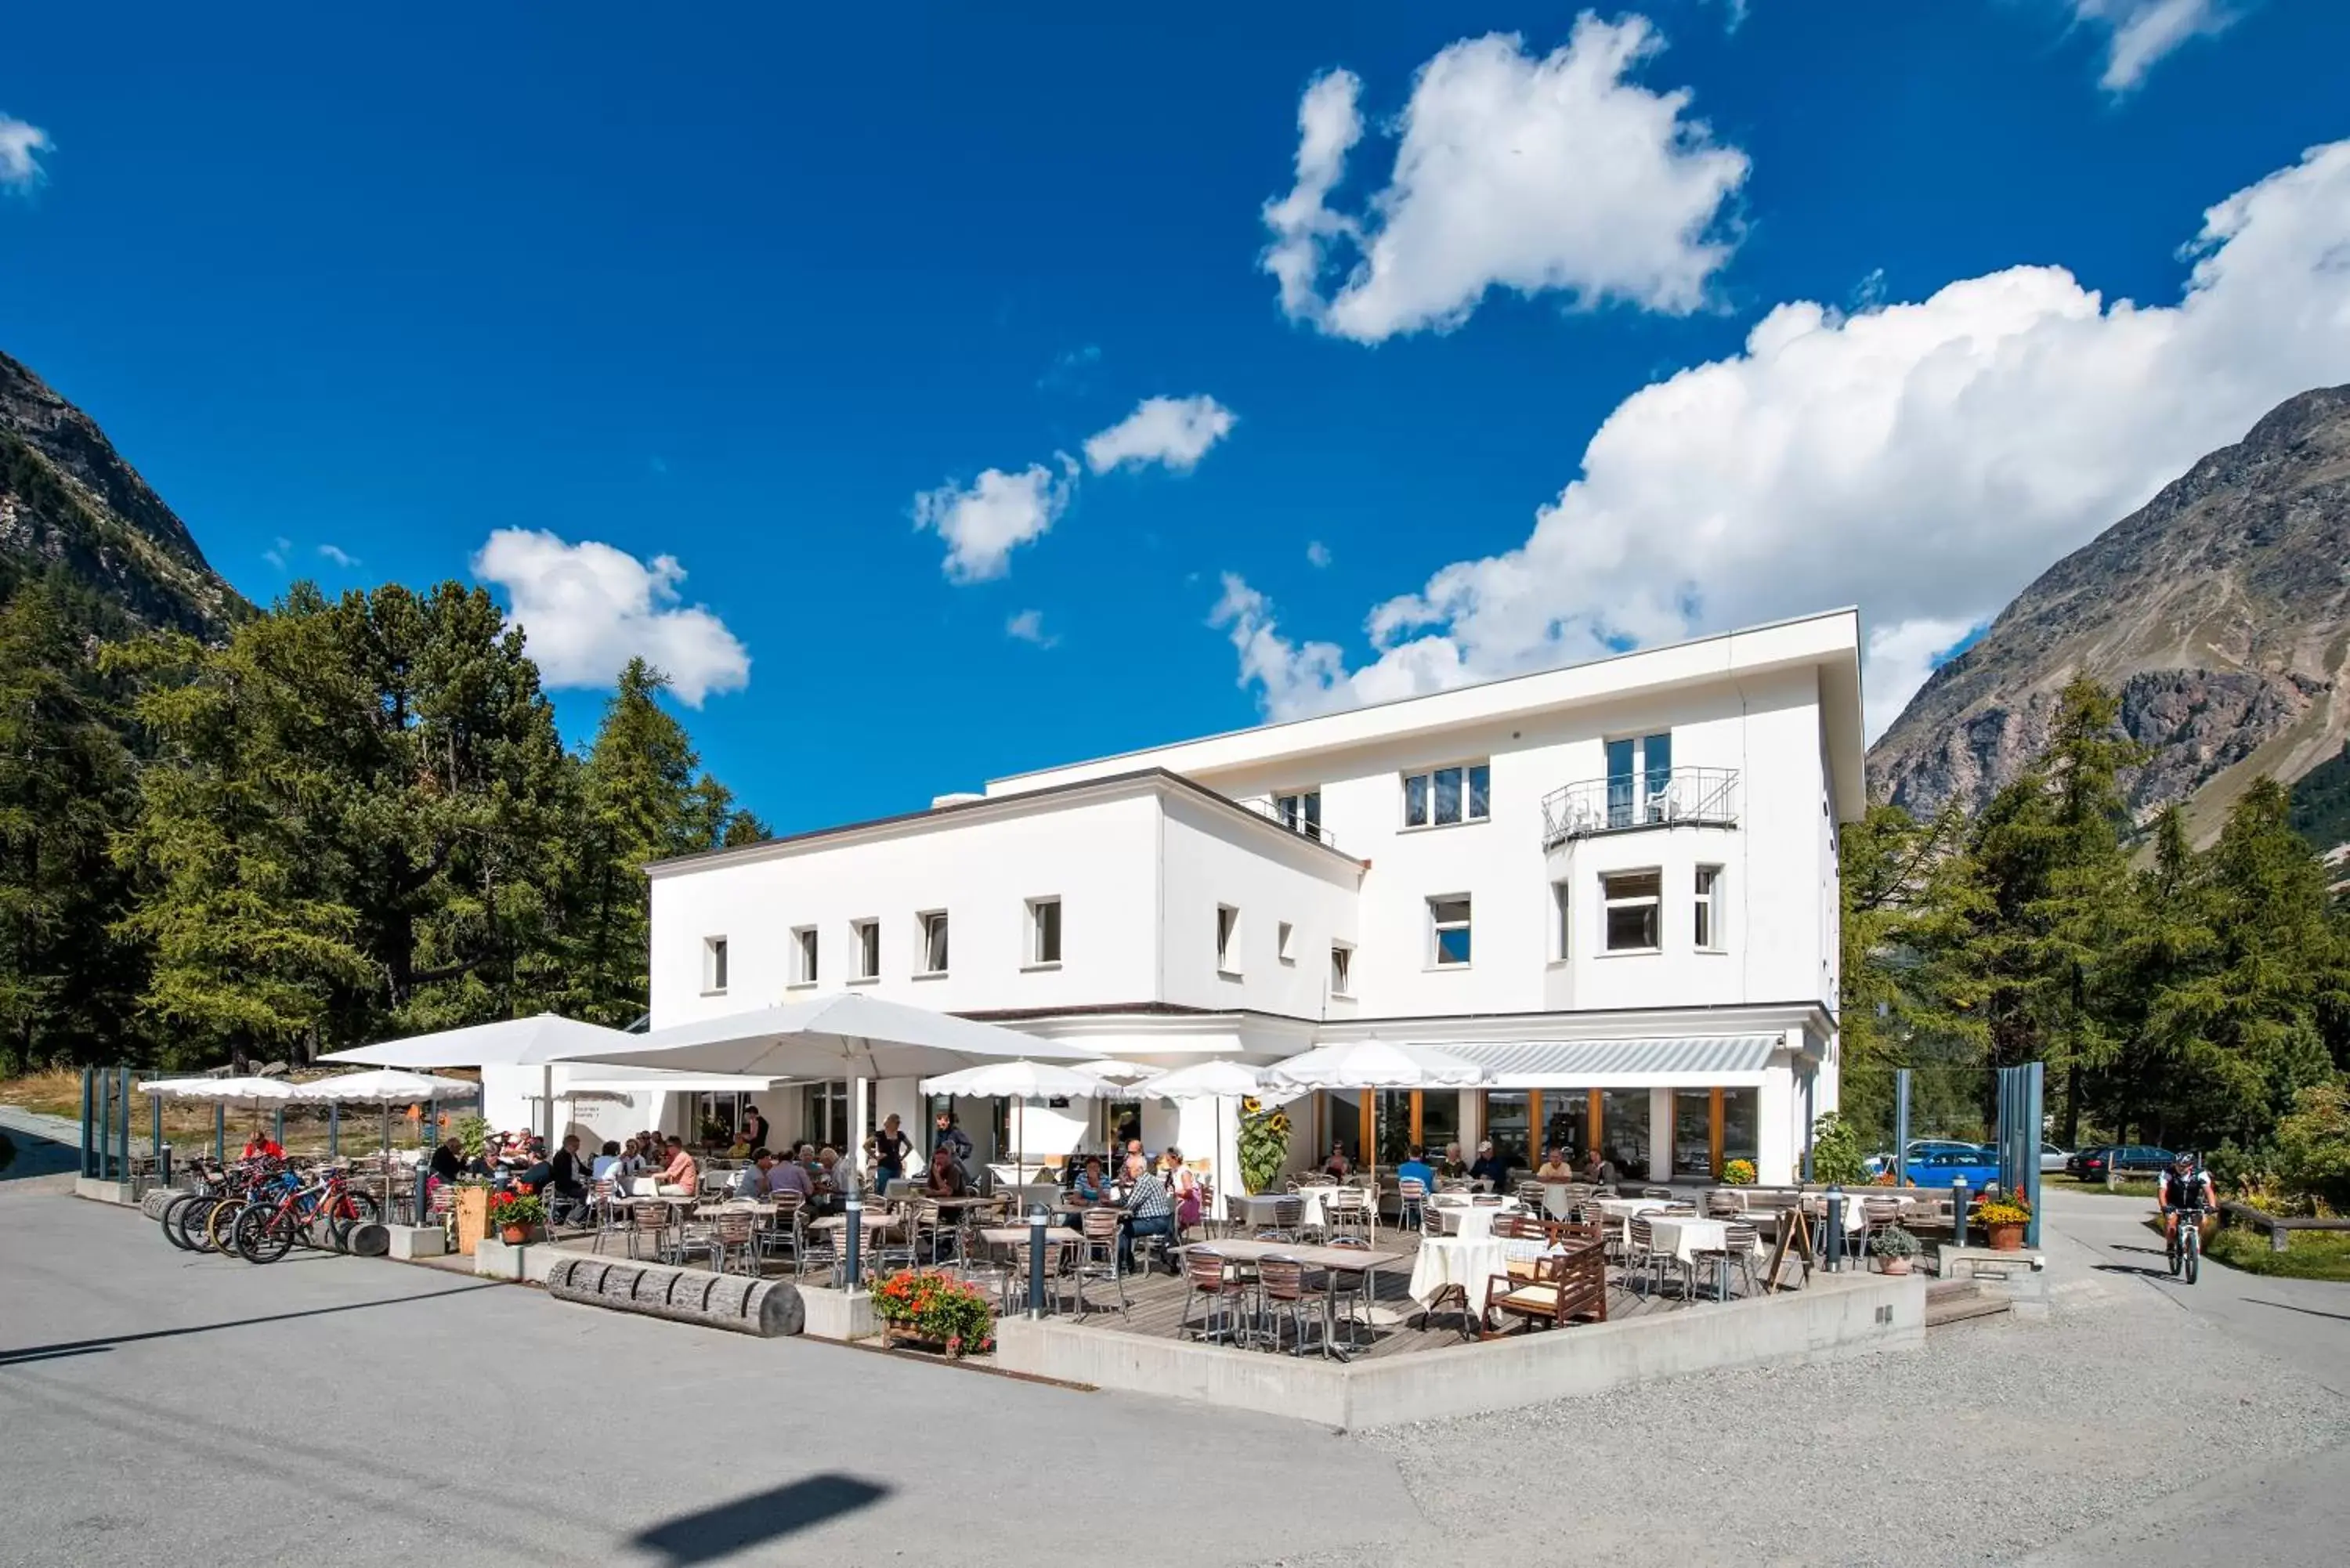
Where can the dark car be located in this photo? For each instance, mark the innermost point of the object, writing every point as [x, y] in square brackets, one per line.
[2128, 1159]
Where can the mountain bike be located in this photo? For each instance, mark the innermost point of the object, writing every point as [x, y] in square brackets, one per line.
[2186, 1243]
[268, 1226]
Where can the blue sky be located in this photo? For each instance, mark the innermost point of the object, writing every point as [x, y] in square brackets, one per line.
[1601, 333]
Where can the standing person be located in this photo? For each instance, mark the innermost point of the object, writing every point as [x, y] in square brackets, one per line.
[755, 1127]
[1184, 1185]
[952, 1138]
[890, 1148]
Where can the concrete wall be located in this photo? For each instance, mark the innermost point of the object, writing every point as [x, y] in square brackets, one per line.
[1834, 1316]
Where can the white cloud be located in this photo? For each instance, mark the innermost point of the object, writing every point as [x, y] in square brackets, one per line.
[1318, 554]
[1534, 174]
[1924, 461]
[276, 553]
[1000, 513]
[589, 608]
[1898, 660]
[1173, 431]
[338, 556]
[2144, 31]
[1028, 626]
[20, 170]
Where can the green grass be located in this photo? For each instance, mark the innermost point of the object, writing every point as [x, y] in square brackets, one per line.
[2128, 1187]
[2313, 1254]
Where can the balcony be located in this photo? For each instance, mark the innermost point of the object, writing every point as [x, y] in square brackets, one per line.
[1690, 797]
[1291, 819]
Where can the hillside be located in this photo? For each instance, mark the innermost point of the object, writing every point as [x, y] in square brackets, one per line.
[2220, 610]
[69, 505]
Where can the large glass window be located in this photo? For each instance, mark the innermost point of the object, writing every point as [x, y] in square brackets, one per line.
[1440, 1119]
[1655, 775]
[1567, 1122]
[823, 1112]
[1506, 1124]
[1624, 1131]
[1300, 812]
[1741, 1124]
[1639, 776]
[1346, 1128]
[1694, 1132]
[1461, 792]
[1394, 1107]
[1634, 923]
[1415, 800]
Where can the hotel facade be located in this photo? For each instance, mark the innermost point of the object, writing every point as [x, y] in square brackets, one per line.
[1612, 884]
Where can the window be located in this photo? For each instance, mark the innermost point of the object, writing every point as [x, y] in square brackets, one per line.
[1632, 898]
[1708, 908]
[865, 942]
[1286, 943]
[1043, 930]
[1443, 796]
[1562, 936]
[1341, 964]
[933, 931]
[804, 956]
[1300, 811]
[713, 965]
[1228, 939]
[1640, 773]
[1450, 920]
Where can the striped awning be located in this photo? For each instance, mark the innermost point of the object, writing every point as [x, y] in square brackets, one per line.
[1709, 1054]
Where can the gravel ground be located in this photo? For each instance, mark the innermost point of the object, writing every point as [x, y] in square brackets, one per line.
[2029, 1431]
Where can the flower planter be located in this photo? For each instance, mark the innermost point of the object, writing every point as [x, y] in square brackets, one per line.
[473, 1218]
[515, 1235]
[1896, 1265]
[2006, 1238]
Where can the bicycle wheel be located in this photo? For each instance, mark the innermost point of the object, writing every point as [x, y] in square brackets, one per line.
[353, 1210]
[189, 1221]
[220, 1226]
[169, 1221]
[2172, 1252]
[266, 1235]
[2193, 1251]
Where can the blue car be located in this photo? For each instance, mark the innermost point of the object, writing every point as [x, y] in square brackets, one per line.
[1941, 1167]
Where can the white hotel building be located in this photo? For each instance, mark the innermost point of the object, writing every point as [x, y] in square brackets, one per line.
[1613, 885]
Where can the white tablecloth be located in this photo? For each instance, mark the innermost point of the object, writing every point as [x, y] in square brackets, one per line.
[1472, 1263]
[1683, 1236]
[1472, 1222]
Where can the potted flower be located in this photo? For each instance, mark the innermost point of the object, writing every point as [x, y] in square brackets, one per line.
[1894, 1248]
[2006, 1219]
[517, 1216]
[1738, 1173]
[922, 1306]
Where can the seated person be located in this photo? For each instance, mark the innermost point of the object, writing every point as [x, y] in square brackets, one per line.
[606, 1165]
[487, 1163]
[1491, 1168]
[751, 1181]
[1451, 1167]
[788, 1175]
[945, 1178]
[1554, 1168]
[1091, 1186]
[1338, 1166]
[835, 1179]
[1417, 1169]
[570, 1175]
[448, 1159]
[682, 1172]
[1149, 1208]
[1601, 1171]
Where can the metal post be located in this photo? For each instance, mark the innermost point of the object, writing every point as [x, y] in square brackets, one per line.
[1808, 1120]
[155, 1131]
[89, 1108]
[220, 1135]
[1835, 1228]
[122, 1133]
[852, 1239]
[1036, 1261]
[1901, 1127]
[2035, 1088]
[279, 1123]
[334, 1129]
[164, 1163]
[104, 1122]
[1959, 1211]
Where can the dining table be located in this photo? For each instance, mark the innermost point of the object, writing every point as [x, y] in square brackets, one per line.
[1458, 1272]
[1472, 1221]
[1362, 1261]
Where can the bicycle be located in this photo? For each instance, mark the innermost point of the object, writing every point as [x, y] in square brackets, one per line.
[2185, 1248]
[266, 1231]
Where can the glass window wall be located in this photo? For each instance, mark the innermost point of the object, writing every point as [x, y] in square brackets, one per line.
[1741, 1124]
[1624, 1131]
[1693, 1133]
[1506, 1124]
[1567, 1122]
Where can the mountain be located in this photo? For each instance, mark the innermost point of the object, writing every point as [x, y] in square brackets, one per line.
[69, 505]
[2220, 611]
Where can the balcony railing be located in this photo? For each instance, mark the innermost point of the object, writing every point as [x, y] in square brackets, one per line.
[1292, 820]
[1688, 797]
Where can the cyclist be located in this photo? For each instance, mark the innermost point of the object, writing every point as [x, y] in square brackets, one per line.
[2186, 1190]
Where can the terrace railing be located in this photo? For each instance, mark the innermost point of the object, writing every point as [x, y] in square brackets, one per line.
[1688, 798]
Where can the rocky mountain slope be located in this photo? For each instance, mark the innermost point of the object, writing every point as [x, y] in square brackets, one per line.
[2220, 611]
[70, 504]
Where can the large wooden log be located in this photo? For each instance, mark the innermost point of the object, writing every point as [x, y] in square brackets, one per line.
[766, 1308]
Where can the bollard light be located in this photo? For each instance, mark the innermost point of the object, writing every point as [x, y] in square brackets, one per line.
[164, 1163]
[852, 1239]
[1835, 1228]
[1959, 1211]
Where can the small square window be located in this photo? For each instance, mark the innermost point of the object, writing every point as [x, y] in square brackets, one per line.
[1228, 939]
[1043, 930]
[713, 965]
[1300, 811]
[865, 942]
[933, 931]
[1286, 942]
[1449, 919]
[803, 951]
[1341, 964]
[1634, 922]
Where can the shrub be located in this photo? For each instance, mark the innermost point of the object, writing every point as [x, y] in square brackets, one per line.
[473, 1135]
[1264, 1145]
[2003, 1212]
[1738, 1173]
[1893, 1241]
[2312, 1145]
[932, 1306]
[1835, 1152]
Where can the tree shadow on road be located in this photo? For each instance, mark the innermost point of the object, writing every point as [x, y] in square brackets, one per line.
[92, 1347]
[726, 1528]
[2306, 1312]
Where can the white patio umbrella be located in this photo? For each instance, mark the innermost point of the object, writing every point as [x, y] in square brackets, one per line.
[1218, 1081]
[1117, 1072]
[1374, 1064]
[850, 1036]
[254, 1092]
[385, 1087]
[1020, 1081]
[508, 1043]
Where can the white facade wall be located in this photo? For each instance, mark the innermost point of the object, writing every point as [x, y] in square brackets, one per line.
[1212, 858]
